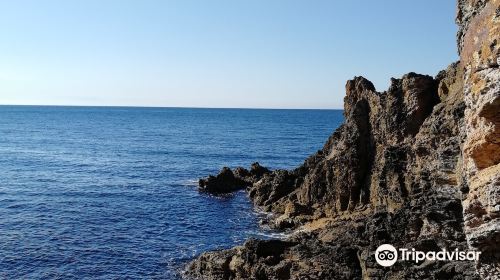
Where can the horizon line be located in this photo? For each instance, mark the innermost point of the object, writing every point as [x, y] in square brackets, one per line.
[167, 107]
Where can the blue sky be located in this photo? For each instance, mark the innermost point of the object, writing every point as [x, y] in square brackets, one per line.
[234, 53]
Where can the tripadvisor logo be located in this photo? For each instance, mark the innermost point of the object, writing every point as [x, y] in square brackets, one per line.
[386, 255]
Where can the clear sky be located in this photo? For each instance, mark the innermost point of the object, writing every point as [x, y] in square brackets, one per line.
[232, 53]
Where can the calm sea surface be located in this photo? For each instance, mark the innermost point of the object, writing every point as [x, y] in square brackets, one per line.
[110, 193]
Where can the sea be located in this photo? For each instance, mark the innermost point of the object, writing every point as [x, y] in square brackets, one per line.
[111, 192]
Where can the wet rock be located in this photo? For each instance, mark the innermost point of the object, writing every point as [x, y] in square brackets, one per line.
[229, 181]
[212, 265]
[224, 182]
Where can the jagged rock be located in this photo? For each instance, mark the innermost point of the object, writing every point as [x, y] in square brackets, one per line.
[224, 182]
[258, 171]
[370, 148]
[272, 187]
[416, 166]
[479, 46]
[344, 249]
[390, 174]
[275, 259]
[229, 181]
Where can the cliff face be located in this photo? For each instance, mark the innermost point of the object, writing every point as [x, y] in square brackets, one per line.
[390, 174]
[479, 47]
[416, 166]
[374, 160]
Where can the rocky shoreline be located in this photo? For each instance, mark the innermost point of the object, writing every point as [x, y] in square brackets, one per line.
[416, 166]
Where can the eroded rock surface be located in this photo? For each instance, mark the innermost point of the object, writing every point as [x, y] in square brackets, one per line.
[479, 45]
[416, 166]
[229, 181]
[390, 174]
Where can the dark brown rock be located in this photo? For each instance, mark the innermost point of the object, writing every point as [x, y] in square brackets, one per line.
[224, 182]
[229, 181]
[415, 166]
[390, 174]
[258, 171]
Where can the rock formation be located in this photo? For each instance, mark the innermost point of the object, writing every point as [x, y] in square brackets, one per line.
[479, 47]
[229, 181]
[416, 166]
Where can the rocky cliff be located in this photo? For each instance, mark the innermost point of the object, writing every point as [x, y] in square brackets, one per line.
[416, 166]
[479, 47]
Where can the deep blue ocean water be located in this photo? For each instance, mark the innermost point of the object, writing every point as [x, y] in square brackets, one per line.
[110, 192]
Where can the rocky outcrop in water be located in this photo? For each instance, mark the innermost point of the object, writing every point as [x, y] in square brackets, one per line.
[229, 181]
[416, 166]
